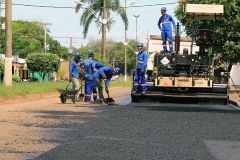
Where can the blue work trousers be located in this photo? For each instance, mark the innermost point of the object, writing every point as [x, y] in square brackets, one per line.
[90, 87]
[167, 35]
[140, 77]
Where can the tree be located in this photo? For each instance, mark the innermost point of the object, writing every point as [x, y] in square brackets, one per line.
[227, 29]
[97, 7]
[1, 66]
[43, 63]
[28, 37]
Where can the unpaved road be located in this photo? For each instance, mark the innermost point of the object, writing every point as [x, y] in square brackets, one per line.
[28, 127]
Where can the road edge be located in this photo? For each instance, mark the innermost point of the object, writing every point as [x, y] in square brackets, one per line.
[35, 96]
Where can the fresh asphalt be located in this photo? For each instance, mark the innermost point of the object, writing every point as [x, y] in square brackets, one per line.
[145, 131]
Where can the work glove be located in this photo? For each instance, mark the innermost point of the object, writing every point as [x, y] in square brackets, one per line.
[70, 80]
[142, 71]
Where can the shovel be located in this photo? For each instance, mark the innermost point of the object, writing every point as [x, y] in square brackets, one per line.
[109, 100]
[81, 96]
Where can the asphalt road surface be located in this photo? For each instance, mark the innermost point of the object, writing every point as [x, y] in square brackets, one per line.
[45, 129]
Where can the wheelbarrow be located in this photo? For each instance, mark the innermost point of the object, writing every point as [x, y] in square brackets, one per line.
[66, 93]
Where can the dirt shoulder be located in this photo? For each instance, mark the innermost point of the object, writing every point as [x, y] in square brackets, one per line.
[39, 123]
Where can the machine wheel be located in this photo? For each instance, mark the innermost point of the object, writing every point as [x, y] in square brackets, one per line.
[62, 98]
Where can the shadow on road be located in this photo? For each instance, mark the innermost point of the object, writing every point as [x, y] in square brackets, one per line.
[197, 108]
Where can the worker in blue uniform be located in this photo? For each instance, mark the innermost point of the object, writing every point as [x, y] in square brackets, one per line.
[74, 72]
[166, 20]
[89, 65]
[140, 70]
[96, 65]
[105, 73]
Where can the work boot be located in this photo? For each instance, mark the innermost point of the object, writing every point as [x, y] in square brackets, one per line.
[144, 92]
[104, 104]
[134, 92]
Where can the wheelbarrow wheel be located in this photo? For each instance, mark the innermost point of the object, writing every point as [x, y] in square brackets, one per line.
[62, 98]
[73, 100]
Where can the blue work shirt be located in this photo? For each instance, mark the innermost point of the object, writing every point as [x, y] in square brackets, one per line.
[104, 71]
[166, 23]
[142, 60]
[98, 65]
[73, 70]
[88, 67]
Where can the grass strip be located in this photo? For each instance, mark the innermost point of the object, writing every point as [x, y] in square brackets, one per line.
[30, 88]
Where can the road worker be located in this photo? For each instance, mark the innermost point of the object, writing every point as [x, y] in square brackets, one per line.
[105, 73]
[89, 65]
[140, 70]
[166, 20]
[74, 72]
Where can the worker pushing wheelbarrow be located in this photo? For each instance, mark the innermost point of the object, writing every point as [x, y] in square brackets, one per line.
[74, 76]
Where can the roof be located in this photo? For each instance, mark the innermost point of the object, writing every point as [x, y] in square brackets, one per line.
[204, 11]
[19, 60]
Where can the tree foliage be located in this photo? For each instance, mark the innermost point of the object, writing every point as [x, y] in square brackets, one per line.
[97, 6]
[43, 63]
[28, 37]
[1, 66]
[227, 29]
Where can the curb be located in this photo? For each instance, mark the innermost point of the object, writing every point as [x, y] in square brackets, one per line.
[233, 103]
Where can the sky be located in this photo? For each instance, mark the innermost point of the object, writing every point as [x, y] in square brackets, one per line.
[65, 23]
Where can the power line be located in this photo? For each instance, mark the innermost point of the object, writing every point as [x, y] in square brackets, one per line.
[57, 7]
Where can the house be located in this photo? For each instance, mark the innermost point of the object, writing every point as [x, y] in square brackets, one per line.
[19, 68]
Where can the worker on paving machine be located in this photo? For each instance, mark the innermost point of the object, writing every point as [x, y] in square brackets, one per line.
[166, 20]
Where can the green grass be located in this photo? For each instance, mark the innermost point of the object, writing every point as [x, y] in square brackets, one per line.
[26, 88]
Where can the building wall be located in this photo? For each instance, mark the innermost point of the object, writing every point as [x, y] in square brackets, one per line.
[64, 66]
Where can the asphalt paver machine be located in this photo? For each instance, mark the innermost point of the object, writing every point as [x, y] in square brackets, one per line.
[188, 77]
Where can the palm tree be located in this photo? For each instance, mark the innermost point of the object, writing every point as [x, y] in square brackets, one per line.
[102, 10]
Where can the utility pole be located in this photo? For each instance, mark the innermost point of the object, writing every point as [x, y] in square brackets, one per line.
[8, 54]
[136, 16]
[125, 47]
[104, 29]
[70, 49]
[45, 35]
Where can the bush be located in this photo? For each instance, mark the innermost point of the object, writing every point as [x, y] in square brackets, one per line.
[16, 78]
[61, 74]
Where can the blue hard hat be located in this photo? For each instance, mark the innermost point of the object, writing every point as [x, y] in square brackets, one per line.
[140, 45]
[117, 70]
[163, 9]
[90, 52]
[77, 54]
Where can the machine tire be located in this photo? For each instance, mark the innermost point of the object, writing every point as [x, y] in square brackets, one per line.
[62, 98]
